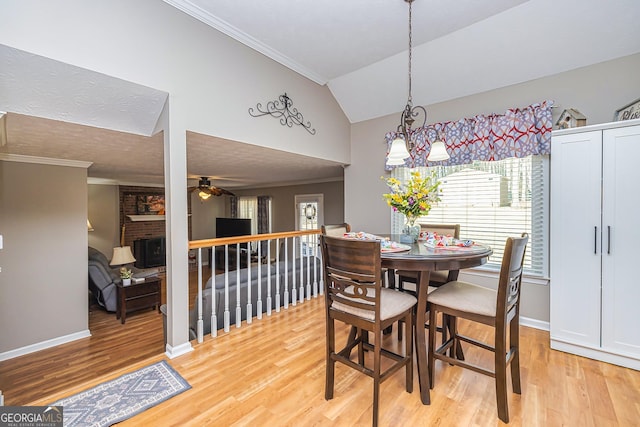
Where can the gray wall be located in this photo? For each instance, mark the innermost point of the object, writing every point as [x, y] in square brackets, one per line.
[43, 283]
[104, 214]
[596, 91]
[283, 202]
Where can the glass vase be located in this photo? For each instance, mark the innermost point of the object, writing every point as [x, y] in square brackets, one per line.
[410, 231]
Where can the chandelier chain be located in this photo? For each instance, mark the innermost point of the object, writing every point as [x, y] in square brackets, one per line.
[410, 100]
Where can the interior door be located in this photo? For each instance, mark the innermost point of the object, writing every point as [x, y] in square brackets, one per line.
[309, 216]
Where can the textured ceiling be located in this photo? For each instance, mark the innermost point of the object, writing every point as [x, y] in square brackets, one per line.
[129, 158]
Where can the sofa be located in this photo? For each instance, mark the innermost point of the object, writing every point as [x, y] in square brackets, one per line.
[103, 279]
[215, 286]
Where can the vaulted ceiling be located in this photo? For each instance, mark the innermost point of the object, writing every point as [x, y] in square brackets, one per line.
[356, 47]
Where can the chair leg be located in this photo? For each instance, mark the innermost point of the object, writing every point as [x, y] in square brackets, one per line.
[363, 337]
[501, 375]
[408, 351]
[514, 337]
[432, 345]
[331, 363]
[376, 375]
[458, 346]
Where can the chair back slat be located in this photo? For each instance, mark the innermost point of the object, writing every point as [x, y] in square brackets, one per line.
[352, 272]
[511, 275]
[442, 229]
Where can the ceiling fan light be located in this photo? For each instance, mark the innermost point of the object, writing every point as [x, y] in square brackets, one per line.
[438, 152]
[204, 195]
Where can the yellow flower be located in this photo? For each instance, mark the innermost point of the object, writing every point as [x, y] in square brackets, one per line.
[415, 197]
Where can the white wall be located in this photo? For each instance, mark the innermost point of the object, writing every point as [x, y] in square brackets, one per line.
[44, 282]
[596, 91]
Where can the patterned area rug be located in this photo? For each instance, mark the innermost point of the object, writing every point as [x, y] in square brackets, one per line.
[124, 397]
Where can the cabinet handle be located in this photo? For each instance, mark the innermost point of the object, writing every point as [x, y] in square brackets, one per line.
[608, 240]
[595, 240]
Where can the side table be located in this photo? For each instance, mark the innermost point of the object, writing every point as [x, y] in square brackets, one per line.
[138, 296]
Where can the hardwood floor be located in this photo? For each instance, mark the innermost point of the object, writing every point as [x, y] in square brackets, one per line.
[272, 373]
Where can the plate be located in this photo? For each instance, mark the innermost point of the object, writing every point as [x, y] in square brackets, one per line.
[398, 249]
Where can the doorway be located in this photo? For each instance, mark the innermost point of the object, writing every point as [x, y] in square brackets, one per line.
[309, 216]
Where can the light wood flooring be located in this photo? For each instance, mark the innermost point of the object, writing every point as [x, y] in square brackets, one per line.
[271, 373]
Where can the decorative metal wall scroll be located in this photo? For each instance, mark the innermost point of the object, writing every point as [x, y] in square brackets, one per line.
[283, 109]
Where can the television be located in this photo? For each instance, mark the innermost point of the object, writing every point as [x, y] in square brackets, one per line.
[231, 227]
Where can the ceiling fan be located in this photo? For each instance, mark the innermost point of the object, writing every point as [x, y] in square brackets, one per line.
[206, 190]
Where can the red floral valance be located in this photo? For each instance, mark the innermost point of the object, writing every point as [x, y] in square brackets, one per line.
[519, 132]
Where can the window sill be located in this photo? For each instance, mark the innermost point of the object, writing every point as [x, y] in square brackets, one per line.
[492, 274]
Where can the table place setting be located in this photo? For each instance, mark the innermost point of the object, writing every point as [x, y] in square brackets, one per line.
[438, 242]
[386, 244]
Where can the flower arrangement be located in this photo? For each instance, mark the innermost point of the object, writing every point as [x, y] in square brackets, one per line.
[125, 273]
[415, 198]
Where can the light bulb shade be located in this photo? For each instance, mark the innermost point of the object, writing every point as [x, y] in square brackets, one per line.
[203, 195]
[438, 152]
[122, 255]
[398, 153]
[395, 162]
[89, 226]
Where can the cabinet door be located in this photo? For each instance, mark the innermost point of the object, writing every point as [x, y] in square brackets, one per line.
[621, 241]
[576, 163]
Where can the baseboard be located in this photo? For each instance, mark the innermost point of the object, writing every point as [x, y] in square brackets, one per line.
[595, 353]
[179, 350]
[534, 323]
[44, 345]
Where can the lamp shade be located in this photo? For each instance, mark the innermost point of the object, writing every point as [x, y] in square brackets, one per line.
[122, 255]
[89, 226]
[203, 195]
[438, 152]
[398, 152]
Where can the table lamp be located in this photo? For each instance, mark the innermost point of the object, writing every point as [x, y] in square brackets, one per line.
[122, 255]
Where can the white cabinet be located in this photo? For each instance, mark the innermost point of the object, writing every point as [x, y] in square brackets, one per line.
[595, 242]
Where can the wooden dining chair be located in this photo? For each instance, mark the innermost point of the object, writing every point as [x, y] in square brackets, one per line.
[355, 296]
[338, 230]
[436, 278]
[499, 309]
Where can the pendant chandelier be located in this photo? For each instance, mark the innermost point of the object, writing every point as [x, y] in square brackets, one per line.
[401, 146]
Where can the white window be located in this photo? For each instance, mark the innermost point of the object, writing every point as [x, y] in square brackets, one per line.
[492, 201]
[248, 208]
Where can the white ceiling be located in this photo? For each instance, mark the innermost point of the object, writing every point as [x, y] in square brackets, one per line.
[357, 47]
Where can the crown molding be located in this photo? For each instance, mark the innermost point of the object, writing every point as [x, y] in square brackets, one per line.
[44, 160]
[224, 27]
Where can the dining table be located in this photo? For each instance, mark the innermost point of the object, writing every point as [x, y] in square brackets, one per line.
[424, 259]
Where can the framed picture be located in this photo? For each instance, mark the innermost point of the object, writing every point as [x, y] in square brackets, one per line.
[150, 205]
[628, 112]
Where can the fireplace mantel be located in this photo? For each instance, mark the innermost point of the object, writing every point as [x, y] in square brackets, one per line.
[136, 218]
